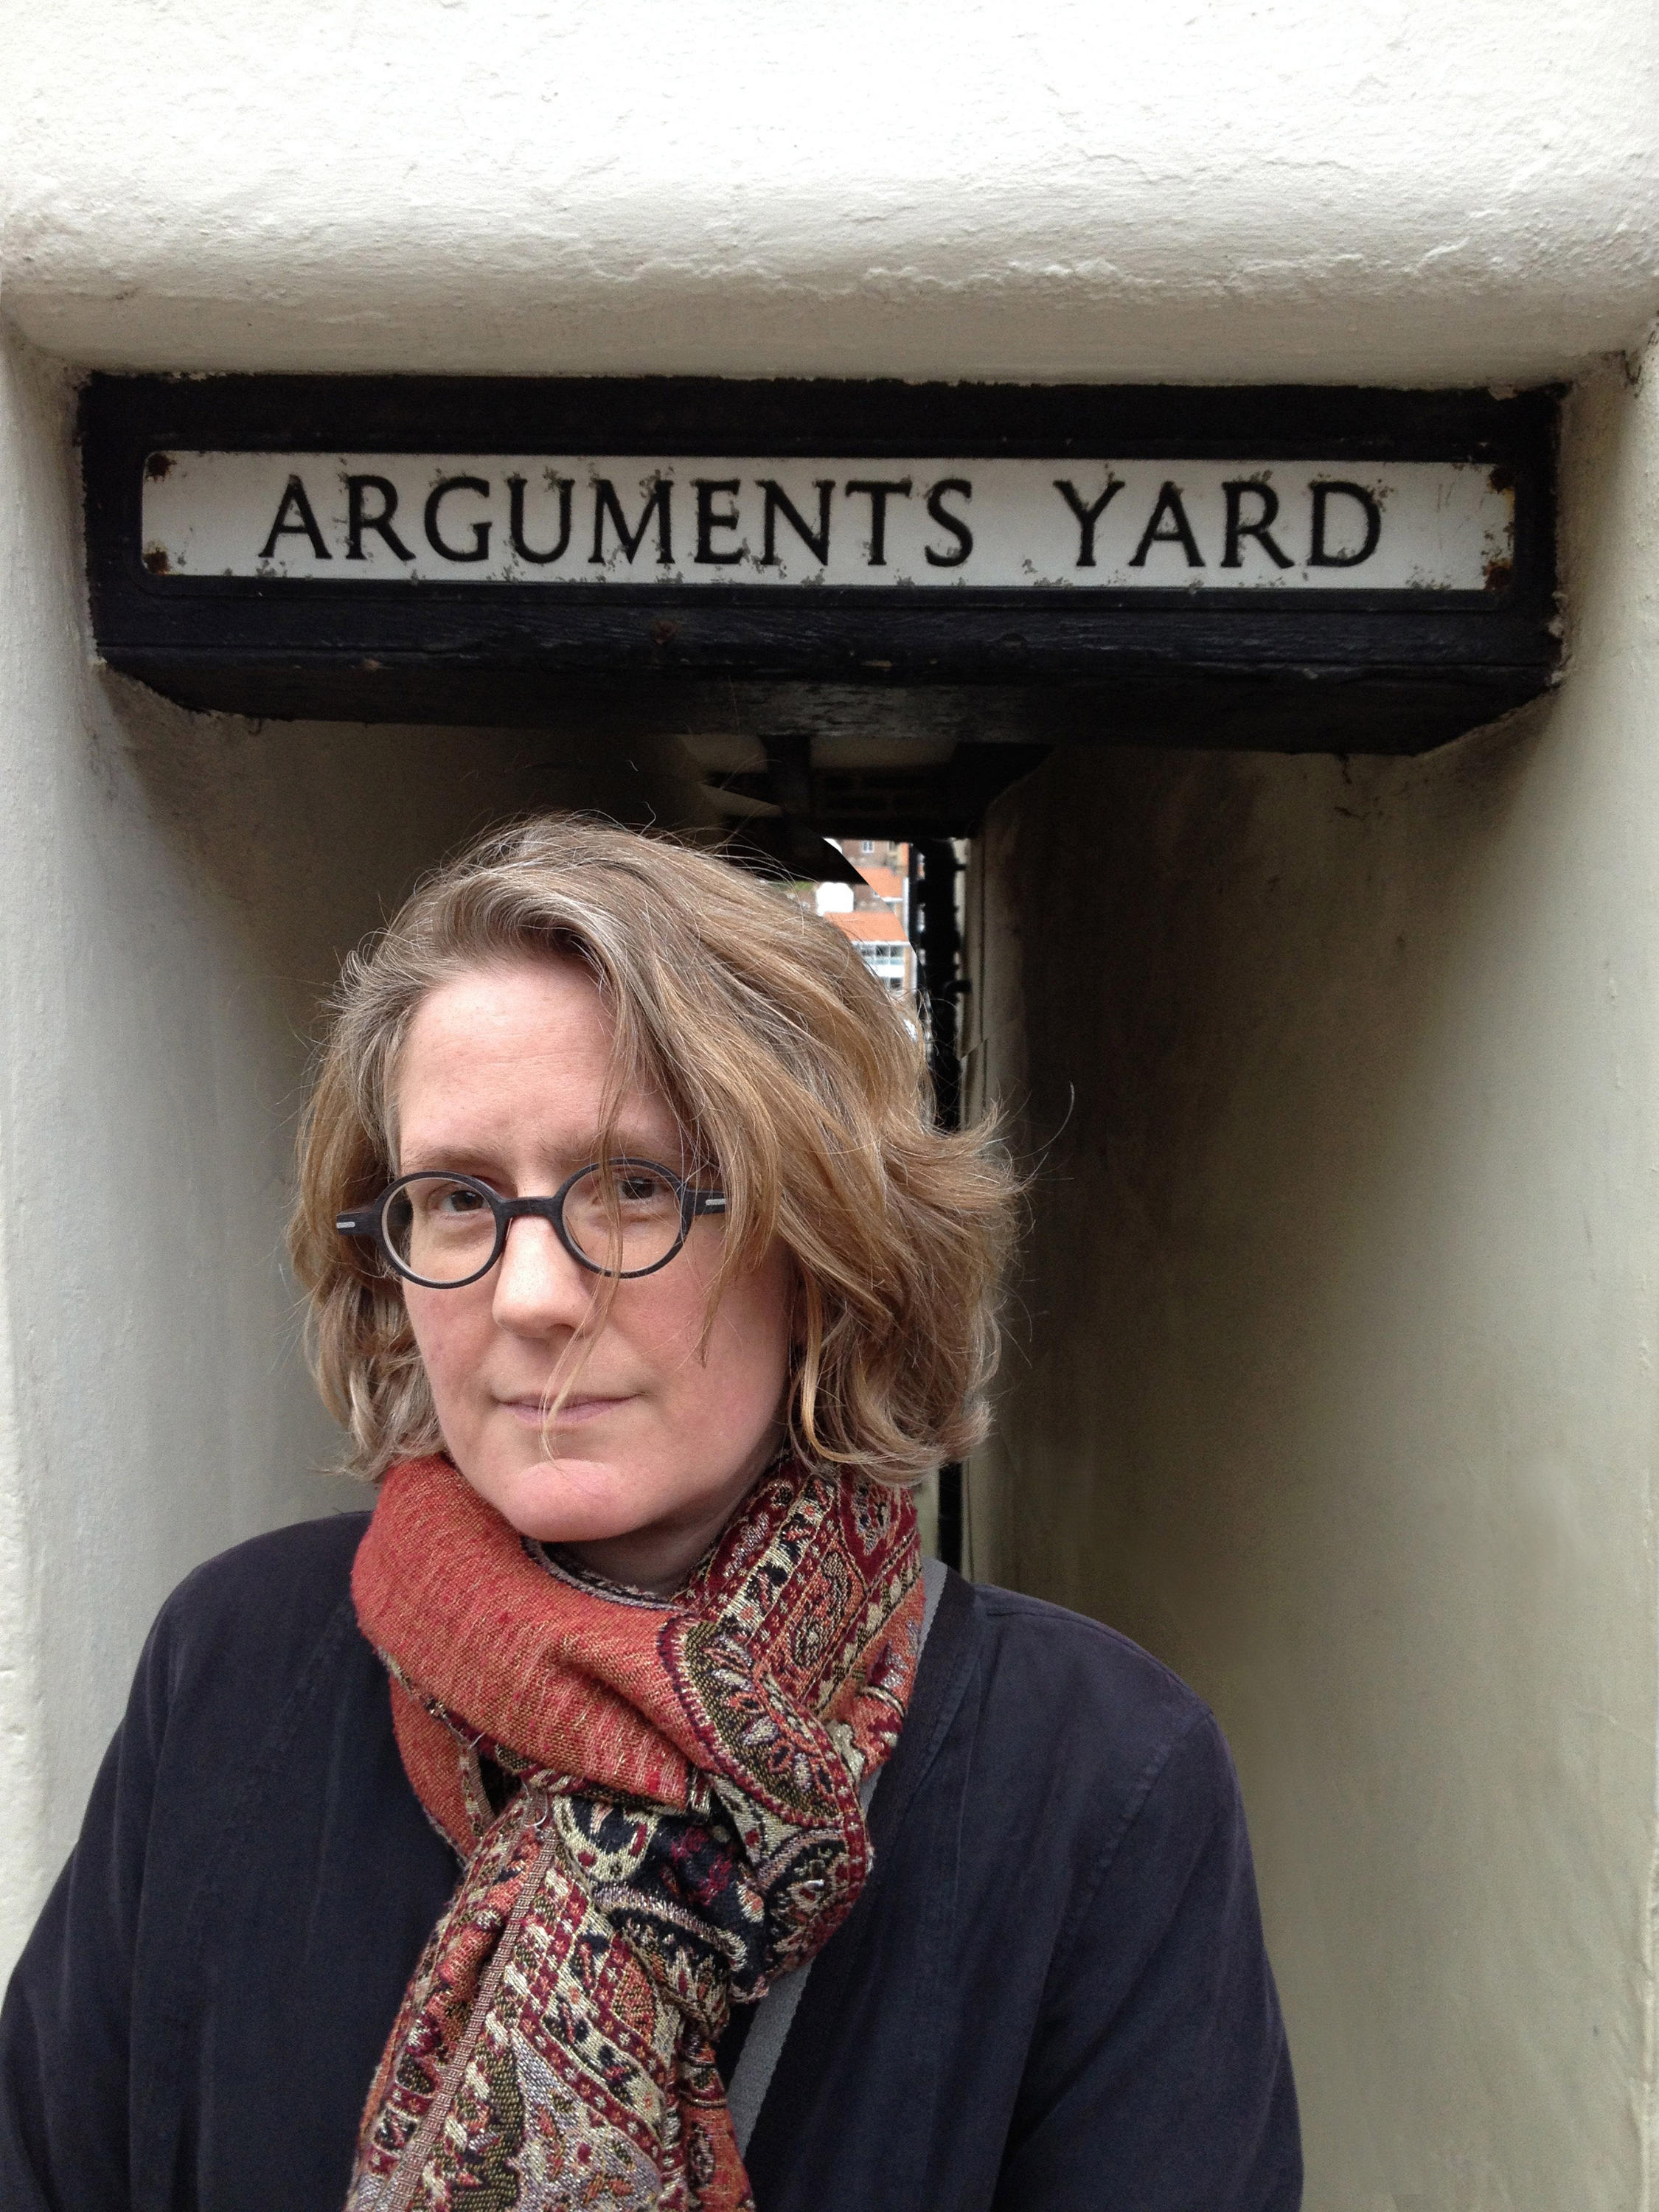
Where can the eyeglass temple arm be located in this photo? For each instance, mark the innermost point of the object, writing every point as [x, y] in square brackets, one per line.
[708, 1201]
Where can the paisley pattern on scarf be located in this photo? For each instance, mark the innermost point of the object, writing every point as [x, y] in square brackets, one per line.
[657, 1806]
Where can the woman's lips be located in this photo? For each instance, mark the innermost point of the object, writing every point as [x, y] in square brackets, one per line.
[532, 1411]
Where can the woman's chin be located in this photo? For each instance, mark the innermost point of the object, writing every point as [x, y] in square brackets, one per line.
[561, 1501]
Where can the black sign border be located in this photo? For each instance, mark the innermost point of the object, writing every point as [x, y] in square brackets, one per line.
[208, 639]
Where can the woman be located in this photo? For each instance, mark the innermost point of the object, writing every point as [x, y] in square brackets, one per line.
[620, 1816]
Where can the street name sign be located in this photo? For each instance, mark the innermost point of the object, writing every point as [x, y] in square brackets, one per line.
[1344, 570]
[869, 524]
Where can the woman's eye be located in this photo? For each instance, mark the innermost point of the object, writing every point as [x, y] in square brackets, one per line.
[454, 1199]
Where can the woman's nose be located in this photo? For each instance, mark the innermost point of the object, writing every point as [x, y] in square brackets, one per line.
[538, 1287]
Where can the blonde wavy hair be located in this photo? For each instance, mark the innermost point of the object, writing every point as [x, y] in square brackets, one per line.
[793, 1076]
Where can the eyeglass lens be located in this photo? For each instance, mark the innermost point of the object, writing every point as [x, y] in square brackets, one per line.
[444, 1231]
[624, 1222]
[440, 1230]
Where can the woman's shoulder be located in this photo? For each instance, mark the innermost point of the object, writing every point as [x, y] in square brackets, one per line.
[265, 1603]
[307, 1561]
[1064, 1697]
[1039, 1644]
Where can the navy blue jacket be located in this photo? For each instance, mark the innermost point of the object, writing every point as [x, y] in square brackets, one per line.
[1052, 1994]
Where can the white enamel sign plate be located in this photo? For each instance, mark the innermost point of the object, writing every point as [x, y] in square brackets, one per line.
[1120, 525]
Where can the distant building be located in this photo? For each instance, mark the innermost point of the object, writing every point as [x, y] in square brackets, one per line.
[875, 913]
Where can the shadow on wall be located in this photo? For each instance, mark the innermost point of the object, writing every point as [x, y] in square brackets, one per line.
[315, 832]
[1210, 982]
[1331, 1382]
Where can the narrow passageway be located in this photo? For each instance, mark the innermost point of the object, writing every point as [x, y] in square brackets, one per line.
[1262, 831]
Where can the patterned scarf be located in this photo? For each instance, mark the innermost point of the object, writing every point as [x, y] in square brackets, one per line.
[657, 1804]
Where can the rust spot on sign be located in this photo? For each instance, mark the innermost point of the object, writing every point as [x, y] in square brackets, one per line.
[1501, 478]
[663, 632]
[157, 466]
[155, 560]
[1500, 574]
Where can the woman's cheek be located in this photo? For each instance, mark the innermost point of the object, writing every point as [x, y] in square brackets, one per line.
[441, 1338]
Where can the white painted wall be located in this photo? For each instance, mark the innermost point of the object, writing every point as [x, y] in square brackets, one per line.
[1224, 189]
[1337, 1386]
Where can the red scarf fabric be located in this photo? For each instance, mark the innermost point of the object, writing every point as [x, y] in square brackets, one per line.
[658, 1805]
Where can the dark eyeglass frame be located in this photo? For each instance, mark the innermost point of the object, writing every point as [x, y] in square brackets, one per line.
[369, 1221]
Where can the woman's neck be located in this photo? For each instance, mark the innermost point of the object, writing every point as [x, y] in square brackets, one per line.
[657, 1559]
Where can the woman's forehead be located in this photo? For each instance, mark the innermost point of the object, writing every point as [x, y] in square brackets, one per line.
[542, 996]
[522, 1052]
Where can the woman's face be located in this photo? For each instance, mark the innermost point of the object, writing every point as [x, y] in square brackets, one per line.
[656, 1444]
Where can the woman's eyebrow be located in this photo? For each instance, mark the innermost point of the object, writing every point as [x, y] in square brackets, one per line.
[478, 1158]
[466, 1159]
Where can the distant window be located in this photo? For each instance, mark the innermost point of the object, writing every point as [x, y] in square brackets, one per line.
[885, 962]
[868, 846]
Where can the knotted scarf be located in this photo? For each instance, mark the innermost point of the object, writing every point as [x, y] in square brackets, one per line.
[657, 1806]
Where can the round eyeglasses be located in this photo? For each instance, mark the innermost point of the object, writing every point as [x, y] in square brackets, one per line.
[622, 1217]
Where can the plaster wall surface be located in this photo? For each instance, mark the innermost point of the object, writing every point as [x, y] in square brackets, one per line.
[1333, 1375]
[1224, 191]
